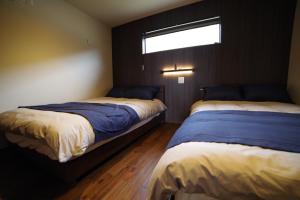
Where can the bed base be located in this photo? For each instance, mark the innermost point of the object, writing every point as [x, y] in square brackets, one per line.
[72, 170]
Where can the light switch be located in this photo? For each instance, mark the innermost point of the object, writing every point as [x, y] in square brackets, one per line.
[181, 80]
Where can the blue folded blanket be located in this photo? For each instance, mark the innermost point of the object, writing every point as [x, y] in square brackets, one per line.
[279, 131]
[107, 120]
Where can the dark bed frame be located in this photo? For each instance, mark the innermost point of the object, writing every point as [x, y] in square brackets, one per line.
[72, 170]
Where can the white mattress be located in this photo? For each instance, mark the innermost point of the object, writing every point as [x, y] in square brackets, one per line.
[245, 105]
[63, 136]
[204, 170]
[42, 148]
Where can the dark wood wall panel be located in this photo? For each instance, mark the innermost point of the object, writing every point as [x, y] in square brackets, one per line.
[255, 49]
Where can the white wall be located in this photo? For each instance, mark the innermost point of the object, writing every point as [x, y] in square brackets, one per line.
[51, 52]
[294, 68]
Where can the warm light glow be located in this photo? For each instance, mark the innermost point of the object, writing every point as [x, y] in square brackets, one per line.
[175, 73]
[188, 67]
[182, 39]
[168, 68]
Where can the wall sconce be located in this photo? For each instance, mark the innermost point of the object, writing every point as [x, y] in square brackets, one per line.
[176, 71]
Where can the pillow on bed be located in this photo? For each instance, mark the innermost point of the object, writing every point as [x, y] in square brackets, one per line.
[117, 92]
[229, 93]
[139, 92]
[142, 92]
[266, 93]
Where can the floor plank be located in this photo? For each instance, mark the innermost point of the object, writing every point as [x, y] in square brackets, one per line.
[123, 177]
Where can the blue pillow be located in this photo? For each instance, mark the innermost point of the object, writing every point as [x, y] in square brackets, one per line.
[138, 92]
[266, 93]
[117, 92]
[227, 93]
[142, 92]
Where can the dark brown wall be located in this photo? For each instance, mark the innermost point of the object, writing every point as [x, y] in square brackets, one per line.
[255, 48]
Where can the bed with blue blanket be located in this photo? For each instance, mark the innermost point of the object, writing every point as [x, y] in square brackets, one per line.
[232, 150]
[68, 130]
[107, 120]
[77, 136]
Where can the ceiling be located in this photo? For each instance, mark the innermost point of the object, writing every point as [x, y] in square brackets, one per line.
[117, 12]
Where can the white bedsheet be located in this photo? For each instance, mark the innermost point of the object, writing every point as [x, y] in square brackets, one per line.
[67, 135]
[245, 105]
[227, 171]
[41, 147]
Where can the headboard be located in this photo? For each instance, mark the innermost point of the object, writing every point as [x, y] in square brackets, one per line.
[161, 94]
[202, 93]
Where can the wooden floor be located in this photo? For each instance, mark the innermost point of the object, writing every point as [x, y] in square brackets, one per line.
[123, 177]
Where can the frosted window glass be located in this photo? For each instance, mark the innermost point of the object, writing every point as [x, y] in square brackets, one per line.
[182, 39]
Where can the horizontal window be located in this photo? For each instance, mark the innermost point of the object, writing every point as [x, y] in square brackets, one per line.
[192, 34]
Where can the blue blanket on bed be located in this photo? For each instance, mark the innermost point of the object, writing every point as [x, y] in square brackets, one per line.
[279, 131]
[107, 120]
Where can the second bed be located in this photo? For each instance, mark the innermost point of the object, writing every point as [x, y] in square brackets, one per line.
[195, 169]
